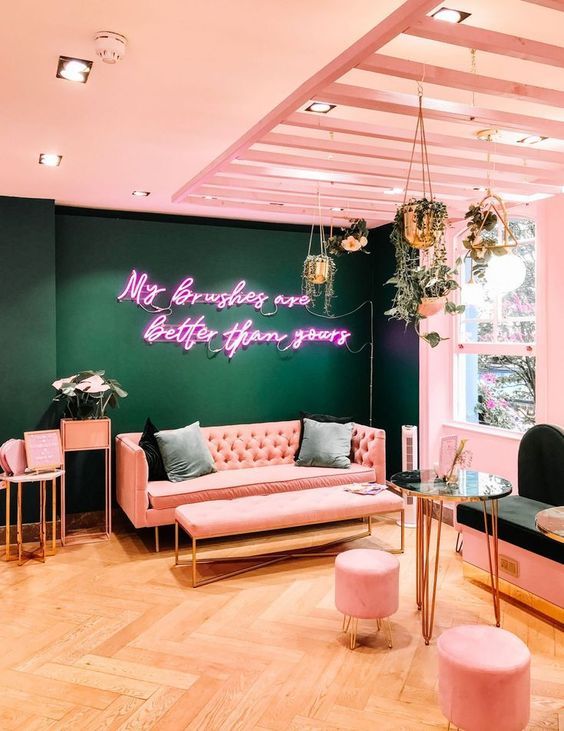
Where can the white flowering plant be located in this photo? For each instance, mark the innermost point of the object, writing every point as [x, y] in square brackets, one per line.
[352, 238]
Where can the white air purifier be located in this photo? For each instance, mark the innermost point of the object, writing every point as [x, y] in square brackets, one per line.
[409, 462]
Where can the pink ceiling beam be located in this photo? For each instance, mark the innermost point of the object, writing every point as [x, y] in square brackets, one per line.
[304, 210]
[440, 76]
[381, 153]
[552, 4]
[440, 189]
[397, 103]
[329, 123]
[460, 34]
[394, 24]
[398, 175]
[289, 185]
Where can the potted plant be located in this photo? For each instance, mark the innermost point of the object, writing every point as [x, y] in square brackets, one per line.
[353, 237]
[423, 222]
[422, 289]
[481, 240]
[86, 396]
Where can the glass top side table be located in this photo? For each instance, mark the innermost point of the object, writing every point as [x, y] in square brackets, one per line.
[471, 486]
[551, 523]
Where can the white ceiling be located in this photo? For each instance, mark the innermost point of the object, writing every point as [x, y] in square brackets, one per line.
[196, 76]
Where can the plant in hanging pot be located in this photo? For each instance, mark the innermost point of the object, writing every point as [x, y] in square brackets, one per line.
[422, 222]
[352, 238]
[482, 241]
[422, 289]
[318, 277]
[88, 394]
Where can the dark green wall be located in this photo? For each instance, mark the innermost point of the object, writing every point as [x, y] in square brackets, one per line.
[396, 366]
[27, 307]
[95, 254]
[60, 315]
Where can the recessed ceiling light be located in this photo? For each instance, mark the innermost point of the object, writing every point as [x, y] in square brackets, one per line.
[73, 69]
[320, 107]
[50, 159]
[275, 204]
[337, 210]
[393, 191]
[531, 140]
[449, 15]
[141, 193]
[209, 197]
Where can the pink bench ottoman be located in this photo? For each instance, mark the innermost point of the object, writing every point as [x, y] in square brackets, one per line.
[366, 587]
[484, 679]
[260, 513]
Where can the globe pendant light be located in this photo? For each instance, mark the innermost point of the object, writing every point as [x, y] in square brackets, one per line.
[505, 273]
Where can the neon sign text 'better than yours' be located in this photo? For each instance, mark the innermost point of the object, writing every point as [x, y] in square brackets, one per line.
[156, 300]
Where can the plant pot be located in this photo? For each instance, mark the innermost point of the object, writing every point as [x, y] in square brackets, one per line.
[431, 306]
[318, 270]
[77, 434]
[418, 237]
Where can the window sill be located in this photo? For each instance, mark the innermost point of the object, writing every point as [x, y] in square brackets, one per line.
[487, 431]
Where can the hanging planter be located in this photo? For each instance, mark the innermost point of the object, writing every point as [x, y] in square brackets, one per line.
[481, 242]
[424, 222]
[423, 279]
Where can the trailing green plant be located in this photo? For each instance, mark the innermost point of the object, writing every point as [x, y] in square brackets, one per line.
[88, 394]
[326, 287]
[353, 237]
[416, 281]
[430, 219]
[481, 240]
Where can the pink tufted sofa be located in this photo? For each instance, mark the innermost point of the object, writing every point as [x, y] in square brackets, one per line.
[251, 459]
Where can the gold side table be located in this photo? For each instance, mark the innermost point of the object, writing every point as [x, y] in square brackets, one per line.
[41, 479]
[471, 486]
[550, 522]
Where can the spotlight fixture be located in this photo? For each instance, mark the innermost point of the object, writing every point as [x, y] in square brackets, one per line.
[209, 197]
[73, 69]
[393, 191]
[141, 193]
[531, 140]
[337, 210]
[50, 159]
[449, 15]
[320, 107]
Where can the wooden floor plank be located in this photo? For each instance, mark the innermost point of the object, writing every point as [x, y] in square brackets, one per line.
[110, 637]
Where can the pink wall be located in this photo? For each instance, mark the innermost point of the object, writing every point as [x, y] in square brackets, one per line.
[495, 450]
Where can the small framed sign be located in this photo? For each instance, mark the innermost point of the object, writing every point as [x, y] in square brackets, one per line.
[449, 445]
[43, 450]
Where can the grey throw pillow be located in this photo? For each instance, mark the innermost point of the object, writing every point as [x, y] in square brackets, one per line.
[325, 445]
[185, 453]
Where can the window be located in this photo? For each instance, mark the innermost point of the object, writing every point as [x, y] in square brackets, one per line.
[494, 363]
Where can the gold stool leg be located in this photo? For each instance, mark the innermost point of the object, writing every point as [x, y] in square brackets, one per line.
[378, 625]
[354, 629]
[42, 519]
[194, 565]
[346, 623]
[389, 632]
[54, 516]
[157, 543]
[176, 544]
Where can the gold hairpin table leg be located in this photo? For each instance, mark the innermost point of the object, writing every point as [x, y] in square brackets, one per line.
[54, 516]
[493, 556]
[427, 565]
[19, 529]
[7, 556]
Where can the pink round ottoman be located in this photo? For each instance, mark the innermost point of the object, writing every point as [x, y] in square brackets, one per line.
[366, 587]
[484, 678]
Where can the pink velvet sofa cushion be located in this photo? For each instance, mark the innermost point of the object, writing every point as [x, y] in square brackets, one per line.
[229, 484]
[281, 510]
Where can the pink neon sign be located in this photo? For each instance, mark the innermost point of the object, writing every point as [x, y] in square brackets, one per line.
[194, 330]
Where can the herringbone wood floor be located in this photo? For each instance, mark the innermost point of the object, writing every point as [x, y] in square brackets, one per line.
[110, 636]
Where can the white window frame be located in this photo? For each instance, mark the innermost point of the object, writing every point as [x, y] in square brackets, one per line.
[463, 348]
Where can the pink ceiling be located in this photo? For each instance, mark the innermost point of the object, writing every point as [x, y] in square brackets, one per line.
[206, 109]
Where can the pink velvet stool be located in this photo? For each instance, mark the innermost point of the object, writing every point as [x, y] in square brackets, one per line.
[366, 587]
[484, 679]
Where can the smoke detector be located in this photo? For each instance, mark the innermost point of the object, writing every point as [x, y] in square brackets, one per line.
[110, 46]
